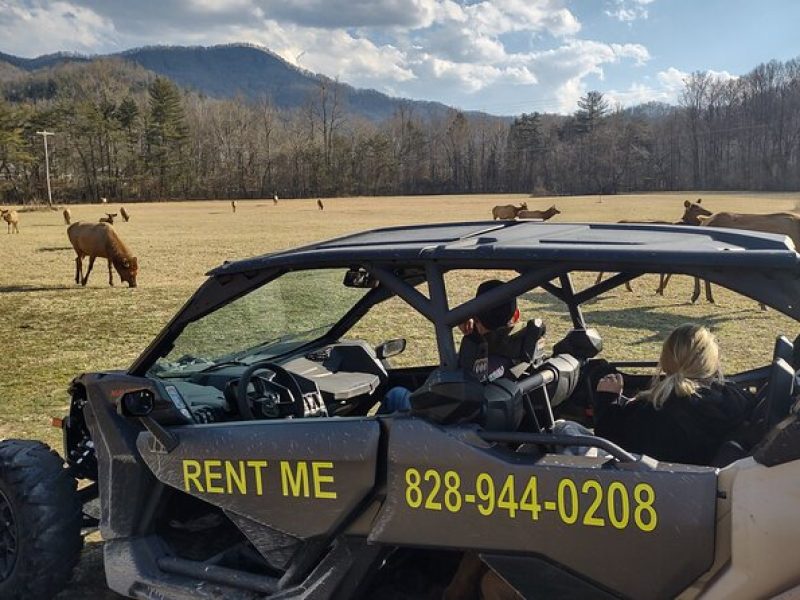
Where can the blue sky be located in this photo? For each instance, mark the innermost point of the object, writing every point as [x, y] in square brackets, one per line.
[502, 56]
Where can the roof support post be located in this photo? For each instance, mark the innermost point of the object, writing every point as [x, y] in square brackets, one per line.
[438, 302]
[511, 289]
[575, 312]
[407, 292]
[605, 285]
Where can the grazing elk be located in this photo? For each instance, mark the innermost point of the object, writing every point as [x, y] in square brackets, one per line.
[692, 214]
[233, 206]
[508, 211]
[12, 218]
[785, 223]
[544, 215]
[100, 240]
[67, 216]
[320, 205]
[124, 214]
[109, 218]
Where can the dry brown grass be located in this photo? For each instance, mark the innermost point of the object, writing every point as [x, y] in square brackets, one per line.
[53, 329]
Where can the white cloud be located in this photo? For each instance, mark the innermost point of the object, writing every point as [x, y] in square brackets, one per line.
[476, 54]
[627, 11]
[564, 69]
[41, 28]
[503, 16]
[667, 88]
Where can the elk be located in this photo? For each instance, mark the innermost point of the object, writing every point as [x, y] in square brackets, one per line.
[508, 211]
[544, 215]
[12, 218]
[785, 223]
[67, 216]
[109, 218]
[103, 200]
[275, 199]
[233, 206]
[692, 214]
[124, 213]
[101, 240]
[320, 205]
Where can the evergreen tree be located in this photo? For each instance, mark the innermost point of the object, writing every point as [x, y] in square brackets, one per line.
[13, 151]
[591, 109]
[167, 134]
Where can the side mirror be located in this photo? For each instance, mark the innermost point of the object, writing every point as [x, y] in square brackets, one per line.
[139, 403]
[391, 348]
[358, 278]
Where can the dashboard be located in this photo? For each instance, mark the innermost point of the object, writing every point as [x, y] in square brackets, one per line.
[334, 379]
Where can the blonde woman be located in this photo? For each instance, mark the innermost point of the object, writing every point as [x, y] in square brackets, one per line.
[687, 411]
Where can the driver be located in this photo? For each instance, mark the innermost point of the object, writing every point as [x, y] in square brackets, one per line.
[683, 416]
[489, 347]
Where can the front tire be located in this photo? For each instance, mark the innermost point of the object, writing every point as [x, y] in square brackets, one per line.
[40, 521]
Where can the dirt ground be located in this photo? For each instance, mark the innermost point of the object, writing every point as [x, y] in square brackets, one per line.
[53, 329]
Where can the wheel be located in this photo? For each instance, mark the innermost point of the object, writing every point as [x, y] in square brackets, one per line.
[40, 521]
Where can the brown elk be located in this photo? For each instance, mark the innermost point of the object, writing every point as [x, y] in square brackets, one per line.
[544, 215]
[67, 216]
[124, 214]
[12, 218]
[233, 206]
[508, 211]
[100, 240]
[692, 214]
[320, 205]
[109, 218]
[785, 223]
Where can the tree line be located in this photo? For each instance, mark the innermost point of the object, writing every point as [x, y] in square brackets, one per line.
[124, 134]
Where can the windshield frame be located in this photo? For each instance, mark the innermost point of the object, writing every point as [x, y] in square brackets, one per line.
[192, 313]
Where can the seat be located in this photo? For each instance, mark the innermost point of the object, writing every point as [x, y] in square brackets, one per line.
[779, 398]
[784, 349]
[729, 452]
[522, 347]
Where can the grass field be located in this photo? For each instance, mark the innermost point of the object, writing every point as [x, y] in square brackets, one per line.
[53, 329]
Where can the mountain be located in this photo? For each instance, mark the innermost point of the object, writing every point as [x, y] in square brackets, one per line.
[42, 62]
[244, 70]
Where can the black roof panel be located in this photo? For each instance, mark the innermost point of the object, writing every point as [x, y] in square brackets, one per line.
[600, 245]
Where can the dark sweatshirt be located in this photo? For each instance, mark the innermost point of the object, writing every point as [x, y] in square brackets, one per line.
[685, 430]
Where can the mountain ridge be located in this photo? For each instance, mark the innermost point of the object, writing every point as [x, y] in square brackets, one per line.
[241, 69]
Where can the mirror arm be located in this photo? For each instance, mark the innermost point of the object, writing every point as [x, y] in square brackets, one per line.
[168, 440]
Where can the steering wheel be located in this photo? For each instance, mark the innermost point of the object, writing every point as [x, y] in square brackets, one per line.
[280, 388]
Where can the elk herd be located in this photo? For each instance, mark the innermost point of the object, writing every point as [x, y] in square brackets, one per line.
[101, 240]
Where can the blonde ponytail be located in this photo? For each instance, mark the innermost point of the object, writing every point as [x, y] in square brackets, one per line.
[689, 359]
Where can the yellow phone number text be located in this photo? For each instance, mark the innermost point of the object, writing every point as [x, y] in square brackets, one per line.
[592, 503]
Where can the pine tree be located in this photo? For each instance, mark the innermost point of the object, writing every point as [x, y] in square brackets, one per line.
[167, 133]
[592, 108]
[13, 151]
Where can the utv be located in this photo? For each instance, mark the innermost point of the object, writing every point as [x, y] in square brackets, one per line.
[241, 455]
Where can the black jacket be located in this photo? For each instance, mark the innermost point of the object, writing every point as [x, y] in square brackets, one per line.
[686, 430]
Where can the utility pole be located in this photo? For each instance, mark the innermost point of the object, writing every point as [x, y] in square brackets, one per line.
[44, 135]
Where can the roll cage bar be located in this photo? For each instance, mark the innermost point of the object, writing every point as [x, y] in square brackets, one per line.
[761, 266]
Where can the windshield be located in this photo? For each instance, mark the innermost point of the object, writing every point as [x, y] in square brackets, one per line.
[284, 314]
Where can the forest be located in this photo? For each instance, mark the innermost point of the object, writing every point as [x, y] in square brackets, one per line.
[123, 133]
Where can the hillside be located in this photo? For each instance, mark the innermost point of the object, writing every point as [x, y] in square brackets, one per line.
[239, 70]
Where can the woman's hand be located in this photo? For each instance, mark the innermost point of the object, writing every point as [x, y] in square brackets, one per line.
[612, 383]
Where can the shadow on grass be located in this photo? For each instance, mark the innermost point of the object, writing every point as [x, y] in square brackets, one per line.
[89, 580]
[656, 320]
[53, 248]
[14, 289]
